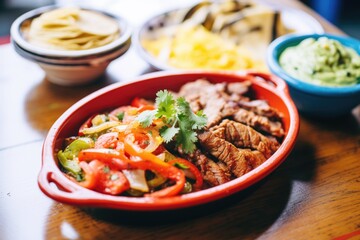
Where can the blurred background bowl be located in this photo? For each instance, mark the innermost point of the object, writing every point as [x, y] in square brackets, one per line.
[70, 67]
[166, 24]
[310, 99]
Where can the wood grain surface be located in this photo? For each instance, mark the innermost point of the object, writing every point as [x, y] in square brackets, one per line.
[314, 194]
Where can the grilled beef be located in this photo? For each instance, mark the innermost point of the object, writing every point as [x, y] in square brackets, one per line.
[207, 97]
[239, 161]
[243, 136]
[229, 100]
[213, 111]
[258, 122]
[260, 107]
[240, 135]
[238, 88]
[213, 173]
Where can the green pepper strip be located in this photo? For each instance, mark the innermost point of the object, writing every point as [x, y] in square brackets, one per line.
[66, 157]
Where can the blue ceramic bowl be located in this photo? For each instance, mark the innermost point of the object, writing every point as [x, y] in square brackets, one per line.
[311, 99]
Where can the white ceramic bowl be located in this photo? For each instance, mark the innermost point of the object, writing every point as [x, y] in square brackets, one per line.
[165, 24]
[70, 67]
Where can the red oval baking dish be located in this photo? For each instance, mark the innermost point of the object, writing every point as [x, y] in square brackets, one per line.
[58, 187]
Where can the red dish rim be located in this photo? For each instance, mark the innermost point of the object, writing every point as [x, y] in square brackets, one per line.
[71, 193]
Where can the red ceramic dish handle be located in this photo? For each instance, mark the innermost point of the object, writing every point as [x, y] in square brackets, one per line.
[64, 190]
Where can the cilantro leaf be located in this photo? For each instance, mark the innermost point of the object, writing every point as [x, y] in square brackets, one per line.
[165, 105]
[197, 121]
[120, 116]
[180, 122]
[186, 137]
[168, 133]
[146, 118]
[200, 120]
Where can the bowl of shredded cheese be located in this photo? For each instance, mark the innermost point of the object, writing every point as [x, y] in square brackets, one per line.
[222, 35]
[72, 45]
[205, 49]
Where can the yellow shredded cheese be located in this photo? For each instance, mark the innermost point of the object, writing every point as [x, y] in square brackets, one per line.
[194, 47]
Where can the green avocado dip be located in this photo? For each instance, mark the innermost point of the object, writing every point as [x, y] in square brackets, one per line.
[323, 62]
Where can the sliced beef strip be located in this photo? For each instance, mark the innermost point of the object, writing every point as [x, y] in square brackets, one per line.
[260, 107]
[202, 95]
[206, 89]
[239, 161]
[258, 122]
[216, 173]
[229, 109]
[258, 159]
[201, 90]
[192, 89]
[213, 173]
[243, 136]
[213, 111]
[237, 98]
[238, 88]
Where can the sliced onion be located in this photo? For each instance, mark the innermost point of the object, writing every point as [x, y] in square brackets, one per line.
[153, 136]
[100, 128]
[120, 128]
[161, 156]
[137, 179]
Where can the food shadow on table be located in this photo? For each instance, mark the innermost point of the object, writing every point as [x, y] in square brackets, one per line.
[252, 211]
[59, 99]
[348, 123]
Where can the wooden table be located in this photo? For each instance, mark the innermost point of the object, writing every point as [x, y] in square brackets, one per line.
[314, 194]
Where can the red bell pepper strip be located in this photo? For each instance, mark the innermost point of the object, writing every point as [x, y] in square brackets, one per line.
[169, 172]
[146, 107]
[152, 162]
[193, 169]
[160, 149]
[115, 159]
[89, 177]
[140, 102]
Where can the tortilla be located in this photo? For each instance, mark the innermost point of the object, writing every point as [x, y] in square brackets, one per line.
[72, 29]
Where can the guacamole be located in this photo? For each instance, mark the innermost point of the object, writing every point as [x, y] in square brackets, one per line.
[323, 62]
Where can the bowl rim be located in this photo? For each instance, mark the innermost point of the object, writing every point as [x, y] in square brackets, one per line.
[94, 60]
[16, 35]
[277, 46]
[90, 198]
[161, 65]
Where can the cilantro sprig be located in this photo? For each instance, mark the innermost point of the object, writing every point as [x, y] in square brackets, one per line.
[181, 123]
